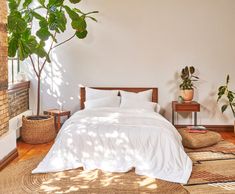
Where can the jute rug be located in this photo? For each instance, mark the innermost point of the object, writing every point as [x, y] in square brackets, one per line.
[206, 156]
[213, 172]
[222, 147]
[18, 179]
[213, 169]
[216, 188]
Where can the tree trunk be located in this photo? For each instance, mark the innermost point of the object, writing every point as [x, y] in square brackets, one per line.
[38, 95]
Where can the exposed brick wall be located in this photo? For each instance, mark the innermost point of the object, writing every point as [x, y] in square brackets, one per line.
[18, 102]
[4, 115]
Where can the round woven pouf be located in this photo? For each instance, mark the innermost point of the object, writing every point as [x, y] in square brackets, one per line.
[38, 131]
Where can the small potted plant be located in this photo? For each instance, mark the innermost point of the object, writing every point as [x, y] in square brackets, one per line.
[187, 86]
[229, 96]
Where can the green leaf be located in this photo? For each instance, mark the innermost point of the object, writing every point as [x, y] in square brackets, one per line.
[38, 16]
[81, 35]
[192, 69]
[23, 54]
[40, 51]
[222, 90]
[92, 18]
[230, 96]
[57, 21]
[56, 3]
[12, 46]
[27, 45]
[79, 24]
[27, 3]
[74, 1]
[12, 5]
[16, 23]
[224, 107]
[42, 2]
[78, 10]
[227, 79]
[28, 17]
[72, 14]
[43, 34]
[195, 76]
[43, 24]
[91, 12]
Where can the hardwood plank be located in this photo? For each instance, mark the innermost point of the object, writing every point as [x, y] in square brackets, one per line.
[8, 159]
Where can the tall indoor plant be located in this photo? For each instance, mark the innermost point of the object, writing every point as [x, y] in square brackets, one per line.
[32, 24]
[187, 86]
[229, 96]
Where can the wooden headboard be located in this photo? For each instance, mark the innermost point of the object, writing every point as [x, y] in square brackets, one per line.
[83, 93]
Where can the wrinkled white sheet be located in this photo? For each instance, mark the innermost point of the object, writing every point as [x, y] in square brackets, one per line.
[116, 140]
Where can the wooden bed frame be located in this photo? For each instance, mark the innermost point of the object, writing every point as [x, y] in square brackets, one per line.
[83, 93]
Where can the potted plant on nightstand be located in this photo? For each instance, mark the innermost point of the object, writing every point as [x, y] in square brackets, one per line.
[187, 86]
[33, 27]
[229, 96]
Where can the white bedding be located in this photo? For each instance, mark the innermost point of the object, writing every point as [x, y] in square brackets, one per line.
[116, 140]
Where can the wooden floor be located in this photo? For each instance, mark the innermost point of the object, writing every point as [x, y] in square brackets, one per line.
[27, 151]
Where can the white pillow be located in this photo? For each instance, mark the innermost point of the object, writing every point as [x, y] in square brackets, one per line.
[92, 94]
[144, 96]
[103, 102]
[139, 104]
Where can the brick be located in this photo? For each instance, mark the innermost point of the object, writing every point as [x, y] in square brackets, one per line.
[18, 102]
[4, 114]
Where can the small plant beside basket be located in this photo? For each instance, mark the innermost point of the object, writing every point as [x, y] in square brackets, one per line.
[227, 94]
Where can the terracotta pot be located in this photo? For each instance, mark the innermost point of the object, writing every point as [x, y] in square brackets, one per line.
[36, 130]
[187, 95]
[234, 126]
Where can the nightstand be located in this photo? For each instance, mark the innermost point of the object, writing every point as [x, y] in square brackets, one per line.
[57, 116]
[193, 107]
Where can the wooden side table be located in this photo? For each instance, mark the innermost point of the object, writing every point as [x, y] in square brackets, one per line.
[193, 107]
[57, 116]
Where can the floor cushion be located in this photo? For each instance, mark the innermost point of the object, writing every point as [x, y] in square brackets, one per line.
[199, 140]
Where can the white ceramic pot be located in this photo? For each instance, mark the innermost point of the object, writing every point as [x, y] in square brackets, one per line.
[187, 95]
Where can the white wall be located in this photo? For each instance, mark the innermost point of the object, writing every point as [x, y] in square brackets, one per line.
[146, 43]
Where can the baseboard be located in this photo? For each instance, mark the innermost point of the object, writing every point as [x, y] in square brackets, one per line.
[227, 128]
[7, 159]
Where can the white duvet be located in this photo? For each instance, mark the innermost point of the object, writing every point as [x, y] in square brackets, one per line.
[116, 140]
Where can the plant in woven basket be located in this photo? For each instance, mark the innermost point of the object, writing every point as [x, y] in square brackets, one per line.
[50, 19]
[188, 78]
[228, 95]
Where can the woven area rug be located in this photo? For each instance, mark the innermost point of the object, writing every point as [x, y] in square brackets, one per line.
[17, 178]
[213, 172]
[216, 188]
[223, 147]
[206, 156]
[213, 169]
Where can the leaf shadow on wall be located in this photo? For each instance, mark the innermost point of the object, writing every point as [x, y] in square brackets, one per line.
[52, 80]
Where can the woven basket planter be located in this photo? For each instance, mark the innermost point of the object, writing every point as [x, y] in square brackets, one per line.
[38, 131]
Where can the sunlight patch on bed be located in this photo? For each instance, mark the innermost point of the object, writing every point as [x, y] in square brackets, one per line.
[110, 118]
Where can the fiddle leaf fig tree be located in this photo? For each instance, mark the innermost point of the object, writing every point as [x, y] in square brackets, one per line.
[34, 24]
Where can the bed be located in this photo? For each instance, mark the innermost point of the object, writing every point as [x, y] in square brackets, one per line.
[117, 139]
